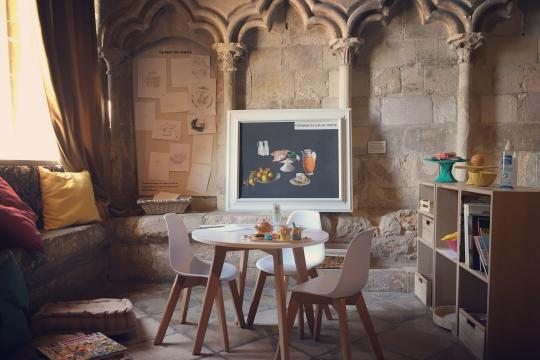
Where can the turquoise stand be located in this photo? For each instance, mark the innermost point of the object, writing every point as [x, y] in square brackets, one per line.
[445, 169]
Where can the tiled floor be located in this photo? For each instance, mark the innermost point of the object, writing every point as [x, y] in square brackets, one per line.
[403, 325]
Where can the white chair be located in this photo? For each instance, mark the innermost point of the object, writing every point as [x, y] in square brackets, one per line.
[192, 271]
[314, 256]
[340, 290]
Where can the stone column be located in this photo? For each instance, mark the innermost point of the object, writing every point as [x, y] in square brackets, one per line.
[464, 44]
[124, 189]
[228, 54]
[345, 49]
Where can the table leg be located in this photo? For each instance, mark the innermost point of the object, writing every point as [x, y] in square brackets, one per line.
[209, 296]
[280, 302]
[242, 278]
[302, 274]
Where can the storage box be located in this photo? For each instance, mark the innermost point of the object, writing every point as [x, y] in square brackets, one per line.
[426, 205]
[472, 333]
[427, 229]
[422, 288]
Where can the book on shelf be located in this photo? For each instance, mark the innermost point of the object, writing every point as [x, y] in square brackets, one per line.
[482, 246]
[85, 347]
[475, 216]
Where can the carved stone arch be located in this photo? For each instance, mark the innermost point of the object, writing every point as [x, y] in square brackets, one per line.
[448, 13]
[361, 14]
[138, 17]
[490, 12]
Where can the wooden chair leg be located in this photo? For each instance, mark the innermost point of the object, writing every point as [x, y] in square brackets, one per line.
[261, 278]
[313, 273]
[301, 323]
[237, 301]
[344, 329]
[185, 305]
[179, 282]
[222, 319]
[368, 325]
[292, 309]
[318, 320]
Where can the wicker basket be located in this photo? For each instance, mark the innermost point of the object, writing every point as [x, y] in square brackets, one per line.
[160, 207]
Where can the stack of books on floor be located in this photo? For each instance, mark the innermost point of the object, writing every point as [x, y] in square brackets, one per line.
[85, 347]
[474, 242]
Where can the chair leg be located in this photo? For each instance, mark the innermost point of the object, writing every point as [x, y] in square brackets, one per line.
[221, 318]
[185, 305]
[345, 344]
[313, 273]
[179, 282]
[261, 278]
[368, 325]
[292, 309]
[237, 300]
[301, 323]
[318, 320]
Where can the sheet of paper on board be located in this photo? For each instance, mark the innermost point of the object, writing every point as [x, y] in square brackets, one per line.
[200, 67]
[201, 151]
[202, 96]
[164, 195]
[158, 166]
[198, 178]
[201, 124]
[150, 77]
[181, 72]
[166, 130]
[145, 115]
[174, 102]
[179, 159]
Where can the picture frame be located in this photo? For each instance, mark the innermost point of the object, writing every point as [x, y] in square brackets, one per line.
[268, 160]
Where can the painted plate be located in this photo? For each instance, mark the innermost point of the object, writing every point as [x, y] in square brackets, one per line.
[276, 178]
[296, 183]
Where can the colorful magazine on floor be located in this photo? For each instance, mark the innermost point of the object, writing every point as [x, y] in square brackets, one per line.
[86, 347]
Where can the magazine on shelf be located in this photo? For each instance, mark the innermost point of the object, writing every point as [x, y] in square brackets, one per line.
[85, 347]
[482, 246]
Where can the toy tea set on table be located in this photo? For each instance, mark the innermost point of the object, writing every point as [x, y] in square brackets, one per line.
[268, 232]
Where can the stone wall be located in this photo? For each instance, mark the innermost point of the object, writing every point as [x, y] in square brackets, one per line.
[404, 91]
[507, 91]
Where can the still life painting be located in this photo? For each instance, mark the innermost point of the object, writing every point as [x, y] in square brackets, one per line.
[297, 157]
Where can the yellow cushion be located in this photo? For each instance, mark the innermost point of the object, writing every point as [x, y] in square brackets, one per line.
[68, 199]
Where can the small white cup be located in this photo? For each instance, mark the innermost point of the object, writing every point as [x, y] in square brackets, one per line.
[301, 178]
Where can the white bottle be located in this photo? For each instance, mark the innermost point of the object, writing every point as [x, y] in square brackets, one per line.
[507, 176]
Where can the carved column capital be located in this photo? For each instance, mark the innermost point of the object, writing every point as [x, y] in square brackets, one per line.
[228, 54]
[113, 58]
[345, 48]
[465, 44]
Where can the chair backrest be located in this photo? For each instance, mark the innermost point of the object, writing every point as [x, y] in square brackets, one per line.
[180, 252]
[355, 271]
[311, 220]
[306, 218]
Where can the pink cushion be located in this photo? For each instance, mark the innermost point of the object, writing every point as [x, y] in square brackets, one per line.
[17, 221]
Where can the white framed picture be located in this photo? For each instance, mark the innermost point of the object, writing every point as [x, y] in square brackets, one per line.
[300, 158]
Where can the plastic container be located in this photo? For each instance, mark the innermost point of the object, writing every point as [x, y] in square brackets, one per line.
[507, 176]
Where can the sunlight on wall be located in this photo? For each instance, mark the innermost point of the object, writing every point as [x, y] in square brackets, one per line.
[26, 131]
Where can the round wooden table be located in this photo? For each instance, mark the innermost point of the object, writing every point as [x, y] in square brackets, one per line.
[224, 241]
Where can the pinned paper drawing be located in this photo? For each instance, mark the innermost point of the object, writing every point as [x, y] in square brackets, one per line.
[200, 66]
[166, 130]
[201, 124]
[203, 97]
[179, 159]
[150, 77]
[174, 102]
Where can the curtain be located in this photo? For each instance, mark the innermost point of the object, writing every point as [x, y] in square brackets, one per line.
[75, 93]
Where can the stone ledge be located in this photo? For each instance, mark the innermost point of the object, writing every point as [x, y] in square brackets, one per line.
[140, 250]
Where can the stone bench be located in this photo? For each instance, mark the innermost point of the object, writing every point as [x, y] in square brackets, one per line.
[73, 264]
[140, 247]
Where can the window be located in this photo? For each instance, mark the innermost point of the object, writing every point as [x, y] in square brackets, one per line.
[26, 131]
